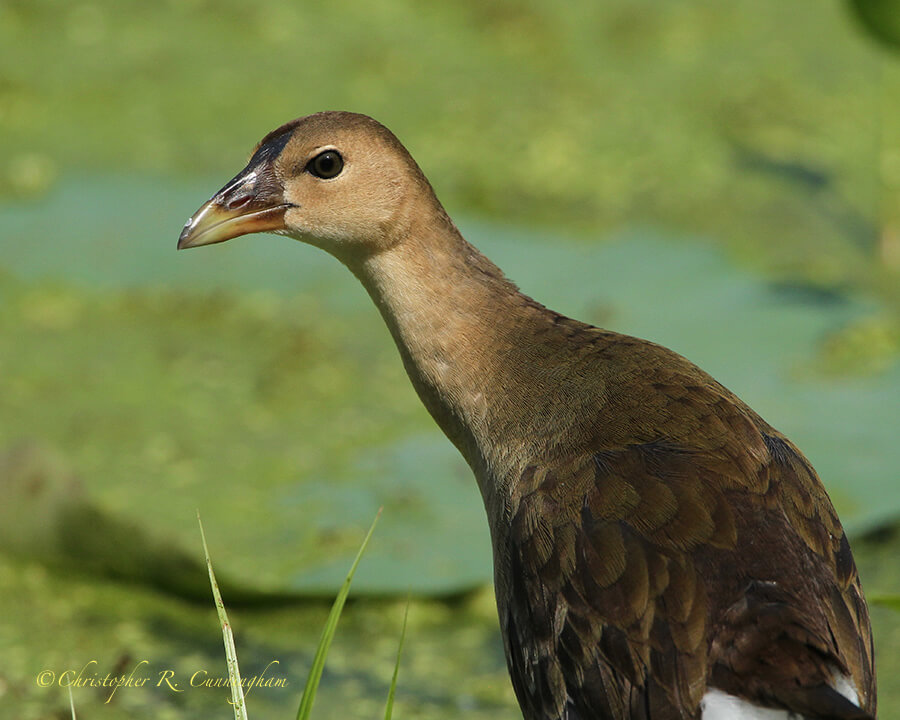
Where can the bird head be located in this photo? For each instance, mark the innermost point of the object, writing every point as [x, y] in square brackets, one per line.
[337, 180]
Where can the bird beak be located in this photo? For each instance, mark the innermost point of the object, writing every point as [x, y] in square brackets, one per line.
[252, 202]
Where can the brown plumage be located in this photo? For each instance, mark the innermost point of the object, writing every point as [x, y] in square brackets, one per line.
[660, 551]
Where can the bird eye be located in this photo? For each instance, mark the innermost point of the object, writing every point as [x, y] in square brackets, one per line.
[326, 165]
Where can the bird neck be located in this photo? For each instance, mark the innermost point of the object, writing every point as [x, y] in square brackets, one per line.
[468, 340]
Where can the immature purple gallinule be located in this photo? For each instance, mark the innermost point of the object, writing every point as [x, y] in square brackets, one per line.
[660, 551]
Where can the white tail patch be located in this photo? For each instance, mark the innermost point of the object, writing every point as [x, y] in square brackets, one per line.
[844, 686]
[718, 705]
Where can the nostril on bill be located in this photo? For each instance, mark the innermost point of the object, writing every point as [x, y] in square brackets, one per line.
[239, 202]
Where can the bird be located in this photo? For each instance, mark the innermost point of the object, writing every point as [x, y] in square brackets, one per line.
[660, 551]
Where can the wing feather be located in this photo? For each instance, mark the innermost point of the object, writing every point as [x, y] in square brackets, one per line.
[645, 573]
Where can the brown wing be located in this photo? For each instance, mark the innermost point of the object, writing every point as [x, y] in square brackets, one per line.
[645, 572]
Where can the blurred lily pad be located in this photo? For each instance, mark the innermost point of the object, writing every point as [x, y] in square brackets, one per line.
[46, 516]
[256, 382]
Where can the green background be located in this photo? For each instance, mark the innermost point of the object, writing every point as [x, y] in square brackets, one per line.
[720, 178]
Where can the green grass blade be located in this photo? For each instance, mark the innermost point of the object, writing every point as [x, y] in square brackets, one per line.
[315, 672]
[234, 673]
[389, 707]
[72, 702]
